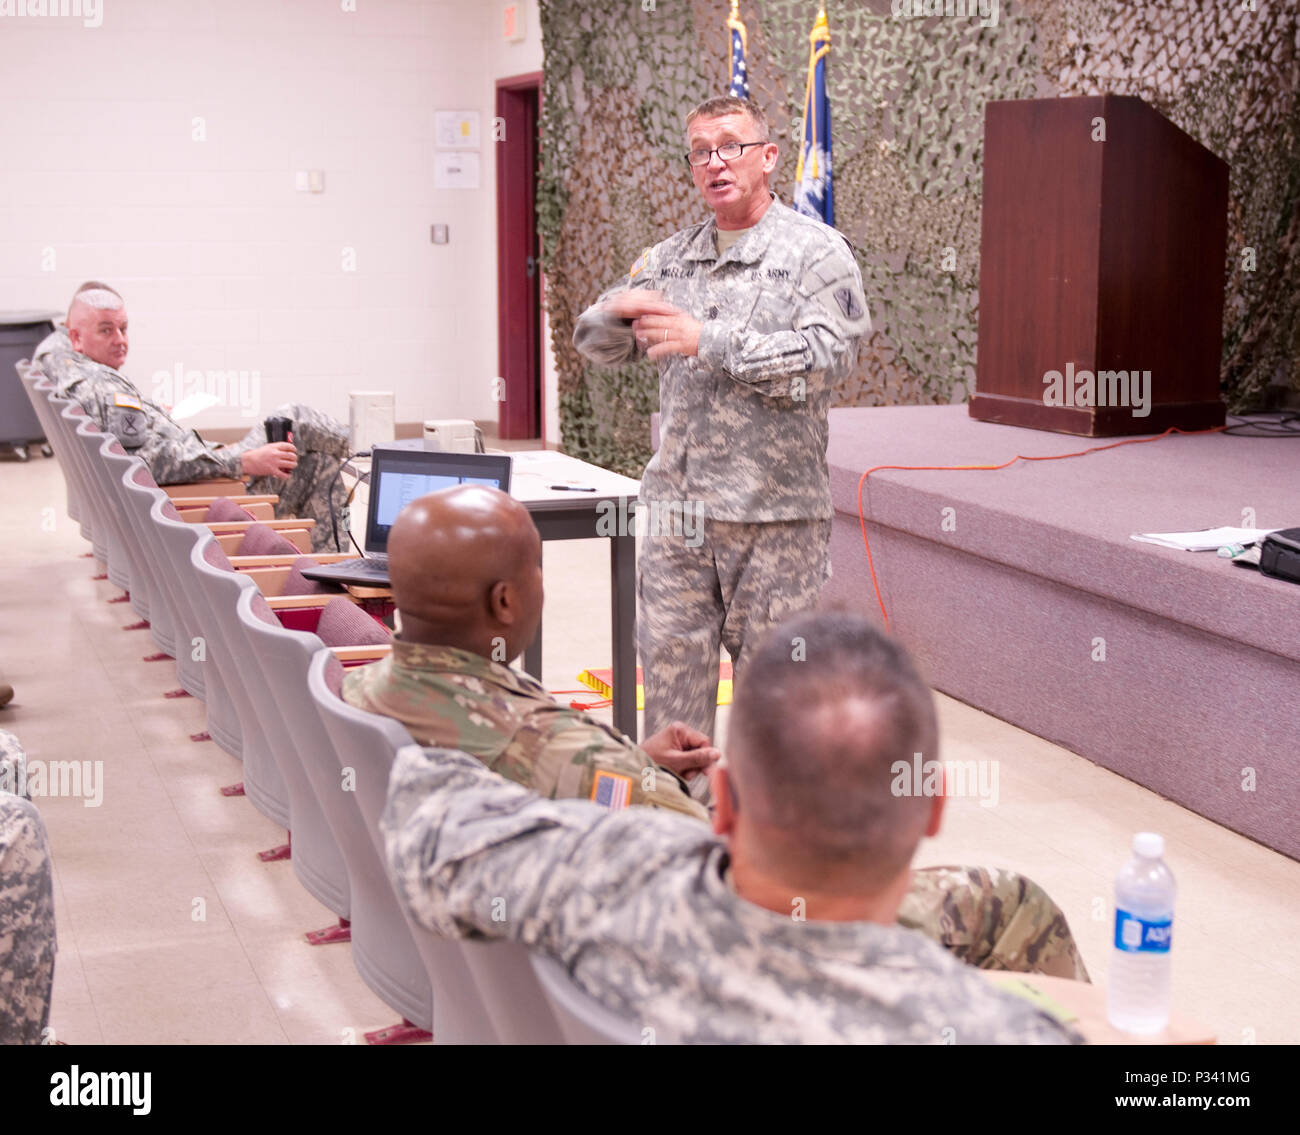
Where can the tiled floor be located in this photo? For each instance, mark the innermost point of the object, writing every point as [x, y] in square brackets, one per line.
[171, 930]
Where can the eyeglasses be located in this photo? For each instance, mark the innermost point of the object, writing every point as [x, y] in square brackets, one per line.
[728, 152]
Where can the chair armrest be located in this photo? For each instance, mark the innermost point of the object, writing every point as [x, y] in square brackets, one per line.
[302, 602]
[246, 563]
[288, 524]
[372, 653]
[260, 510]
[269, 580]
[245, 499]
[295, 531]
[300, 538]
[220, 487]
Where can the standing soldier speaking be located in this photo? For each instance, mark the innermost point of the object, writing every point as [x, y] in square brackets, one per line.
[752, 316]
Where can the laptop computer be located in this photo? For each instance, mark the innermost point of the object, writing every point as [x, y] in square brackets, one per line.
[397, 477]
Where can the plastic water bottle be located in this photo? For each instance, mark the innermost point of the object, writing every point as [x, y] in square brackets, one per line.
[1138, 997]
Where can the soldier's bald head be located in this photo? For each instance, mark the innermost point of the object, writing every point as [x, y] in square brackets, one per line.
[465, 566]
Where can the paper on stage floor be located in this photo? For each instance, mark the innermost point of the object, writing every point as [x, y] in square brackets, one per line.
[1207, 540]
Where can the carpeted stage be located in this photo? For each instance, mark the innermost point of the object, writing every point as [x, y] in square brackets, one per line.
[1010, 606]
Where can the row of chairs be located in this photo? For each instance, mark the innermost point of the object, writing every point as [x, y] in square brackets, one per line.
[269, 668]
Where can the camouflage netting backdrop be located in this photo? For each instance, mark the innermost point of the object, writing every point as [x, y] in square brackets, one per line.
[907, 111]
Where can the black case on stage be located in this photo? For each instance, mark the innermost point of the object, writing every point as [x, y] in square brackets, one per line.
[1279, 554]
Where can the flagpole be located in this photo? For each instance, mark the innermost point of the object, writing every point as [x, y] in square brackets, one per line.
[736, 25]
[819, 46]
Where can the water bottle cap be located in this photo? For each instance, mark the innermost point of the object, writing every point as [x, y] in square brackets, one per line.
[1149, 845]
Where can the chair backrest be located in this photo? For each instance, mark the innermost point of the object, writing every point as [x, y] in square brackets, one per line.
[138, 494]
[382, 947]
[38, 389]
[225, 509]
[121, 543]
[262, 540]
[582, 1019]
[69, 417]
[295, 583]
[172, 540]
[214, 594]
[268, 695]
[115, 462]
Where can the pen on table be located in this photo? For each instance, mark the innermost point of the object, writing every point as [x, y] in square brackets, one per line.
[573, 488]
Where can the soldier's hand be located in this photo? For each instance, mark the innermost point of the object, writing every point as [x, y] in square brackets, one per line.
[682, 750]
[667, 333]
[638, 302]
[278, 459]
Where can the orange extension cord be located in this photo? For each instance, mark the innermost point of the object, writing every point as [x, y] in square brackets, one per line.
[862, 519]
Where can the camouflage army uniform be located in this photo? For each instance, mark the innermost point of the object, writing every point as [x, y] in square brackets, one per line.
[176, 455]
[743, 446]
[638, 908]
[992, 919]
[506, 719]
[27, 941]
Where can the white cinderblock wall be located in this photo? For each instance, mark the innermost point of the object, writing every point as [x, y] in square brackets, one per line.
[158, 151]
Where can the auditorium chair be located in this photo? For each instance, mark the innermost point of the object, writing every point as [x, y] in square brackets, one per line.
[116, 463]
[39, 388]
[138, 495]
[362, 745]
[87, 442]
[582, 1019]
[173, 541]
[67, 416]
[382, 947]
[467, 1008]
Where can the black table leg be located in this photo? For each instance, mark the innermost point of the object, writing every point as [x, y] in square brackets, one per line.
[533, 651]
[622, 564]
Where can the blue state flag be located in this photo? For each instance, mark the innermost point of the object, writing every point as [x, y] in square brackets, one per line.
[739, 74]
[813, 193]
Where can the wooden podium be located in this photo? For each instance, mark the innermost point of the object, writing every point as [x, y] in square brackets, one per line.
[1101, 262]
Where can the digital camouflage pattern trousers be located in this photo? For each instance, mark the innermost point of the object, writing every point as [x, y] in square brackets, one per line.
[706, 583]
[315, 489]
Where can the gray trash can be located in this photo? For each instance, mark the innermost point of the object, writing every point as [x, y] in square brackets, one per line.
[20, 333]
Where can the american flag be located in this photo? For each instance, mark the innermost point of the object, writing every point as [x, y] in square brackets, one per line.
[612, 790]
[739, 75]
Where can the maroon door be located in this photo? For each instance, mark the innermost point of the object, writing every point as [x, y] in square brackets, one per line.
[519, 274]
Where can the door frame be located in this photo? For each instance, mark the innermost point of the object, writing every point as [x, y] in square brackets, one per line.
[520, 351]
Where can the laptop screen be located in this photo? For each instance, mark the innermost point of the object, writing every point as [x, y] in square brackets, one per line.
[399, 476]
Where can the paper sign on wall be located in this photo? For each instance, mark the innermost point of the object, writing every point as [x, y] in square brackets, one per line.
[455, 171]
[456, 129]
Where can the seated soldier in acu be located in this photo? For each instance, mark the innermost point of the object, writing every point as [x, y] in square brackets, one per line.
[465, 565]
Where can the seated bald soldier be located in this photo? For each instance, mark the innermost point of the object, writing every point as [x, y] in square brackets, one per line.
[465, 565]
[83, 359]
[466, 571]
[780, 926]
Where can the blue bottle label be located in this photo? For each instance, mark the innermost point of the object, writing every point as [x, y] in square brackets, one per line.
[1135, 935]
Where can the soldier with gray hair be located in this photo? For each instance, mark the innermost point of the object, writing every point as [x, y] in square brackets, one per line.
[27, 941]
[782, 926]
[752, 316]
[84, 359]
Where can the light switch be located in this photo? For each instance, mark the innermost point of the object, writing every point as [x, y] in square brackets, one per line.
[438, 234]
